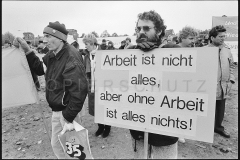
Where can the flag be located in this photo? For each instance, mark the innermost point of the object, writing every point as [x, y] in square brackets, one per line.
[17, 83]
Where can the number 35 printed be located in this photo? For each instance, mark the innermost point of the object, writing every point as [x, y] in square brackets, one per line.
[75, 150]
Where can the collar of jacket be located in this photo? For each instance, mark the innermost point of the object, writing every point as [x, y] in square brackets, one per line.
[60, 53]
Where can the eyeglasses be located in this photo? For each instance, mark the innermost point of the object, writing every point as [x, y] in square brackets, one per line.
[145, 28]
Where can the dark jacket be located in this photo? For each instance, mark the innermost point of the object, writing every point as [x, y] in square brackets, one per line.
[121, 47]
[155, 139]
[103, 46]
[66, 82]
[87, 65]
[111, 48]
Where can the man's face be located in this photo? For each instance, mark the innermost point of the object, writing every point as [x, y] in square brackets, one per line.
[127, 41]
[104, 43]
[150, 32]
[52, 42]
[219, 39]
[189, 41]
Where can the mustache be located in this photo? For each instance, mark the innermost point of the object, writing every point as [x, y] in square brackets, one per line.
[142, 37]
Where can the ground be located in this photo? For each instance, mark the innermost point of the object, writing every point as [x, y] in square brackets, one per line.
[24, 135]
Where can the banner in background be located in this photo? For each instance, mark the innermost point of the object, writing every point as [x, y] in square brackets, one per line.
[116, 41]
[230, 23]
[17, 83]
[165, 91]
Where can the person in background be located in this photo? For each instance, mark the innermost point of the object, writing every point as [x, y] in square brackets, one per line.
[110, 46]
[169, 38]
[73, 42]
[103, 46]
[76, 45]
[40, 46]
[206, 40]
[225, 78]
[89, 62]
[44, 49]
[128, 43]
[66, 82]
[7, 44]
[174, 40]
[198, 42]
[150, 30]
[123, 43]
[187, 37]
[164, 42]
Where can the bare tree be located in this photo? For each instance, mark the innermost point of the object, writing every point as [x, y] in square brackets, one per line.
[105, 34]
[114, 35]
[95, 34]
[82, 35]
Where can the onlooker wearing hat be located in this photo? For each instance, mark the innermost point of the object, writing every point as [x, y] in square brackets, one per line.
[110, 46]
[123, 43]
[66, 82]
[128, 43]
[225, 77]
[103, 46]
[91, 46]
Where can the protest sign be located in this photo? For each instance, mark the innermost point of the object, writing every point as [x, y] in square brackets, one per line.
[168, 91]
[17, 83]
[231, 25]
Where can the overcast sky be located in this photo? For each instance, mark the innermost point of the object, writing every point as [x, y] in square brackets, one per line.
[113, 16]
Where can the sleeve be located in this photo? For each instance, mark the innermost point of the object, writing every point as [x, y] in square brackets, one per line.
[231, 67]
[35, 64]
[77, 88]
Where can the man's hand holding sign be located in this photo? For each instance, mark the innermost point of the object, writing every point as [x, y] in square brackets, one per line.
[170, 93]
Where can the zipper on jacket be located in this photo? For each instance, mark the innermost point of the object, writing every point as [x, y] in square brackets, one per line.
[220, 70]
[63, 98]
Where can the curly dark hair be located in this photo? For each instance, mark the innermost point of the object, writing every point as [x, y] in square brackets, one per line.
[156, 19]
[215, 30]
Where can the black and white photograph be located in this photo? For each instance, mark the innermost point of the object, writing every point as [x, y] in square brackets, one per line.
[119, 79]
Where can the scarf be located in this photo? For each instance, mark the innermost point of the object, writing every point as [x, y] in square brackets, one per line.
[93, 65]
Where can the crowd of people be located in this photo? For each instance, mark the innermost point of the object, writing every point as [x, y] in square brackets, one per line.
[66, 62]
